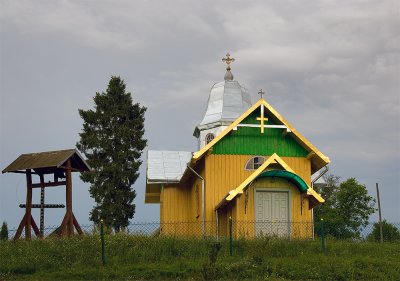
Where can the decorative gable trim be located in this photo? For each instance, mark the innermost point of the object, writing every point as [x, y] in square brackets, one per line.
[318, 161]
[274, 159]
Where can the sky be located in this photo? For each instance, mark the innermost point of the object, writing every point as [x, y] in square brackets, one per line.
[331, 68]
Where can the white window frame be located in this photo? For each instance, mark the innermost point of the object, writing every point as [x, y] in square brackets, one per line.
[208, 138]
[251, 165]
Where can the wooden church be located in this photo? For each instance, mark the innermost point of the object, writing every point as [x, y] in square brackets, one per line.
[252, 166]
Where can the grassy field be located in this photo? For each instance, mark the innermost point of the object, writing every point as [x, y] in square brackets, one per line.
[131, 257]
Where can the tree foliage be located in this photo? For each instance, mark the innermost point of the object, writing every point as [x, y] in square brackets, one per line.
[4, 231]
[390, 232]
[346, 209]
[112, 140]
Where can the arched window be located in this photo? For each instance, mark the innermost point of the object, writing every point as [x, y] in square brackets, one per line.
[209, 137]
[254, 163]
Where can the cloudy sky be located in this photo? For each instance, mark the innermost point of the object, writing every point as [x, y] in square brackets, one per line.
[332, 68]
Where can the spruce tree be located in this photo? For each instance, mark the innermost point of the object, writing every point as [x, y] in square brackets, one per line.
[112, 141]
[4, 231]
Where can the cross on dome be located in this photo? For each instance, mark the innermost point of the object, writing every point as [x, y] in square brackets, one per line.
[228, 60]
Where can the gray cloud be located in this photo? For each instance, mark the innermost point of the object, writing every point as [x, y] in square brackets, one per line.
[331, 68]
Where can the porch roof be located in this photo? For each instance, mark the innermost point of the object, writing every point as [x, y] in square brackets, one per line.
[291, 177]
[286, 173]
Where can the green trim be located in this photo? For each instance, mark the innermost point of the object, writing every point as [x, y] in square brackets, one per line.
[249, 141]
[289, 176]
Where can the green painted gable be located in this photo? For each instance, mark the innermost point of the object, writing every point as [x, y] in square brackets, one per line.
[249, 141]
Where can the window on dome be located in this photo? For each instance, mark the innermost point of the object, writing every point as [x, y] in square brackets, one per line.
[254, 163]
[209, 137]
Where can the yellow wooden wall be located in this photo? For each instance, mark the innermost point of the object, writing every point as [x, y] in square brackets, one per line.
[223, 173]
[180, 209]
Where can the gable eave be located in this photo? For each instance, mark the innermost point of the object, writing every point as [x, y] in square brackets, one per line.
[318, 159]
[271, 160]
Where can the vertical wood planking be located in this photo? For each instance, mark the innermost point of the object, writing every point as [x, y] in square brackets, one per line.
[223, 173]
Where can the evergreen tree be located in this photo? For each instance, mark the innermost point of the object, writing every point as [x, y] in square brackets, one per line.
[112, 140]
[346, 209]
[4, 231]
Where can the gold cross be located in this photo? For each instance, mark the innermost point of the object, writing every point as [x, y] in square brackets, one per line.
[262, 119]
[228, 59]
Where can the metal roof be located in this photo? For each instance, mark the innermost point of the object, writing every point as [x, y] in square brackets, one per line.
[166, 166]
[48, 160]
[226, 102]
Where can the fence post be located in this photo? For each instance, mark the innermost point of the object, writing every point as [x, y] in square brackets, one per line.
[230, 236]
[322, 236]
[103, 258]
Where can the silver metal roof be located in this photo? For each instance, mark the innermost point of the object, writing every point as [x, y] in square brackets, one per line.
[227, 101]
[166, 166]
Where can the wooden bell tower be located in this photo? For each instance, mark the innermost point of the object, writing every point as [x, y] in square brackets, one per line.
[61, 164]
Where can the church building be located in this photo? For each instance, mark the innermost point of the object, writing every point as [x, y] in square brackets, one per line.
[251, 166]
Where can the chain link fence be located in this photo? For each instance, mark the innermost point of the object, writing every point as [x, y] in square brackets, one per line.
[244, 230]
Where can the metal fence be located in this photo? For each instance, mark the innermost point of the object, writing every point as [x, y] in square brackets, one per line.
[245, 230]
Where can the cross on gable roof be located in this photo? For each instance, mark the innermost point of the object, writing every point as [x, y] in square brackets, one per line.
[318, 160]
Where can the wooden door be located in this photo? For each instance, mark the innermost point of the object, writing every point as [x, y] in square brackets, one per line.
[272, 213]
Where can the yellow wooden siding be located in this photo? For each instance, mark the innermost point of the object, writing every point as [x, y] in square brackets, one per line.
[178, 210]
[223, 220]
[223, 173]
[174, 204]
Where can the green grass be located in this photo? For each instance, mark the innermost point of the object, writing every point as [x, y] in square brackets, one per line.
[131, 257]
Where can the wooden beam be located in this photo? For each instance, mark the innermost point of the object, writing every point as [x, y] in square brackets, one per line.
[36, 185]
[35, 228]
[41, 205]
[153, 194]
[20, 227]
[63, 225]
[71, 168]
[68, 200]
[28, 209]
[77, 226]
[37, 206]
[310, 155]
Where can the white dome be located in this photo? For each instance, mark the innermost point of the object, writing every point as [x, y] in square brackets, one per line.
[227, 101]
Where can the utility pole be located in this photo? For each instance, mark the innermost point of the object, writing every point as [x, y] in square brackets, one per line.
[380, 214]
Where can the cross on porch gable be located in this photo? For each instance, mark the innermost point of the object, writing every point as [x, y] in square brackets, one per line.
[262, 119]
